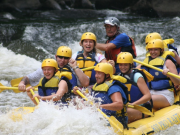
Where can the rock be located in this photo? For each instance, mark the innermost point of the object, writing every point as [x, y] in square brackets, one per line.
[87, 4]
[22, 4]
[156, 8]
[50, 4]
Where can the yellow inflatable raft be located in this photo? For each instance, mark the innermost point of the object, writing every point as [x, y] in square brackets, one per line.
[161, 120]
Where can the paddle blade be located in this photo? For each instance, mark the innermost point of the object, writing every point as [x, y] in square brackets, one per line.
[17, 114]
[141, 109]
[15, 82]
[118, 124]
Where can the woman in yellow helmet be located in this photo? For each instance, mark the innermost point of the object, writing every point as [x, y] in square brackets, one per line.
[111, 92]
[168, 47]
[88, 57]
[167, 44]
[51, 87]
[138, 90]
[161, 87]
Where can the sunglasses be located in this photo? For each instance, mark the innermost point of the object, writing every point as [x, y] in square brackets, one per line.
[61, 57]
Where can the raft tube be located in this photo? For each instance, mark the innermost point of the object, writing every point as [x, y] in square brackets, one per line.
[161, 120]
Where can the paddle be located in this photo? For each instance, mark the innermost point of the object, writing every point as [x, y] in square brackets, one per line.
[36, 99]
[15, 82]
[117, 126]
[158, 69]
[17, 114]
[89, 68]
[141, 109]
[15, 89]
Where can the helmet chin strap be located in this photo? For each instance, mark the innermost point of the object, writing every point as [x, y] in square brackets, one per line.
[161, 52]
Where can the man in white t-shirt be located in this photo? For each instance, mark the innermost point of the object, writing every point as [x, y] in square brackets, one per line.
[63, 58]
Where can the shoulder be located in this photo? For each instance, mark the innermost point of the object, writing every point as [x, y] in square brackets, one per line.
[169, 62]
[122, 35]
[115, 88]
[137, 75]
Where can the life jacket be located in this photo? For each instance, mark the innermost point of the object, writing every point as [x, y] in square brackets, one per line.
[160, 81]
[167, 43]
[101, 91]
[134, 92]
[67, 68]
[112, 54]
[89, 61]
[49, 87]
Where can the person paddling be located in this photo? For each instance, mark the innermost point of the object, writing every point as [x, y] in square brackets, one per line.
[167, 47]
[161, 88]
[51, 87]
[65, 63]
[112, 92]
[137, 88]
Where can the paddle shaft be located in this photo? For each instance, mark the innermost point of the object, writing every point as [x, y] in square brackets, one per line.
[12, 88]
[89, 68]
[153, 67]
[112, 122]
[36, 99]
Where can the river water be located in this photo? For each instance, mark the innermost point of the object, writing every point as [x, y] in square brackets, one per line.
[28, 38]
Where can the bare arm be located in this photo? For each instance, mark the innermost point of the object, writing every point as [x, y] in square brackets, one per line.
[145, 91]
[23, 83]
[171, 68]
[105, 47]
[177, 58]
[32, 78]
[62, 89]
[84, 80]
[139, 66]
[117, 102]
[30, 95]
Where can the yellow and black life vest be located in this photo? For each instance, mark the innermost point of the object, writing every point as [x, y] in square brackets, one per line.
[48, 87]
[89, 61]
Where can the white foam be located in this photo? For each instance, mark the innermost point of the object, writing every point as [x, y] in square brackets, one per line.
[49, 120]
[16, 65]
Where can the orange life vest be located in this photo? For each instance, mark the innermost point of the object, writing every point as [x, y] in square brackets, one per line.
[112, 54]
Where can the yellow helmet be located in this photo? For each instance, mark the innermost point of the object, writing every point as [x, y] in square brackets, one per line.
[125, 57]
[105, 68]
[156, 43]
[50, 63]
[64, 51]
[152, 36]
[88, 35]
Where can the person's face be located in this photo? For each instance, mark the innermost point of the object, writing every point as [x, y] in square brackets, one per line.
[99, 77]
[88, 45]
[155, 52]
[124, 67]
[111, 30]
[48, 72]
[62, 61]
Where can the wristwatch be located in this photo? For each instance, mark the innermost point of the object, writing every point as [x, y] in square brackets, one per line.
[75, 67]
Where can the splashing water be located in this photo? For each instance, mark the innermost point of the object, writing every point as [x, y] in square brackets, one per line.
[52, 119]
